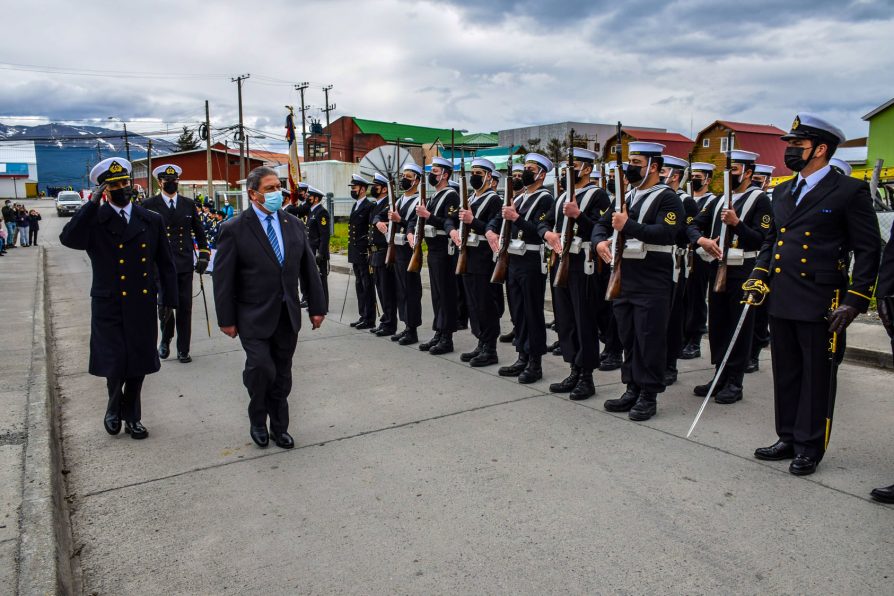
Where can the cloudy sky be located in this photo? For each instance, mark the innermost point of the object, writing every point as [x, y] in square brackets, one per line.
[482, 66]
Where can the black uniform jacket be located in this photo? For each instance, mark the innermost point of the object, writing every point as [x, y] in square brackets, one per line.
[181, 225]
[444, 217]
[584, 223]
[378, 242]
[318, 231]
[358, 232]
[532, 209]
[487, 206]
[250, 286]
[124, 325]
[805, 256]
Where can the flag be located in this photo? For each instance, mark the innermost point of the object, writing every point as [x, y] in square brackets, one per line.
[294, 165]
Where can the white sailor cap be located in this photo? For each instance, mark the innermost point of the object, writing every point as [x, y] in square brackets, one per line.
[702, 166]
[764, 169]
[675, 162]
[110, 169]
[541, 160]
[811, 126]
[841, 165]
[303, 186]
[648, 149]
[453, 184]
[495, 175]
[442, 163]
[746, 157]
[613, 165]
[596, 174]
[562, 165]
[480, 162]
[168, 170]
[356, 179]
[517, 167]
[313, 191]
[379, 178]
[410, 166]
[584, 154]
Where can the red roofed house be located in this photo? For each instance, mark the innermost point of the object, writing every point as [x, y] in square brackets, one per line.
[674, 143]
[710, 146]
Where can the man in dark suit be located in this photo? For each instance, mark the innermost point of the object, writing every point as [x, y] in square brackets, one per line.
[884, 294]
[358, 253]
[130, 254]
[262, 257]
[819, 217]
[182, 224]
[318, 233]
[378, 247]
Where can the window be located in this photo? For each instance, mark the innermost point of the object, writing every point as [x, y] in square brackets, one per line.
[706, 143]
[723, 145]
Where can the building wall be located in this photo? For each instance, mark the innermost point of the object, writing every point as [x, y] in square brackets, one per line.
[881, 139]
[195, 167]
[712, 154]
[598, 133]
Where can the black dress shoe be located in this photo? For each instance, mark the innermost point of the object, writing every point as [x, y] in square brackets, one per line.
[753, 366]
[557, 351]
[382, 332]
[514, 369]
[803, 465]
[567, 384]
[259, 435]
[427, 345]
[462, 326]
[136, 430]
[184, 358]
[623, 403]
[553, 346]
[670, 377]
[585, 387]
[644, 408]
[357, 322]
[731, 393]
[486, 357]
[508, 338]
[691, 352]
[397, 336]
[364, 325]
[444, 346]
[883, 495]
[775, 452]
[112, 422]
[551, 324]
[467, 356]
[164, 350]
[409, 338]
[611, 362]
[702, 390]
[283, 440]
[303, 304]
[532, 373]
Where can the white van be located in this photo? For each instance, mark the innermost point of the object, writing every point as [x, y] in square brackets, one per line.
[67, 202]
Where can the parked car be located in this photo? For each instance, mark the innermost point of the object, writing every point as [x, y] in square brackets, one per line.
[67, 202]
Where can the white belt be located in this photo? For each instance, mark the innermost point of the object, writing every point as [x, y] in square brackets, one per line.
[577, 246]
[431, 232]
[635, 249]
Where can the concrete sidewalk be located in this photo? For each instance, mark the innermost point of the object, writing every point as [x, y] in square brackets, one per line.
[418, 474]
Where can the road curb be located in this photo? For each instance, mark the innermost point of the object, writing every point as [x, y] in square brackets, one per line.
[45, 544]
[867, 357]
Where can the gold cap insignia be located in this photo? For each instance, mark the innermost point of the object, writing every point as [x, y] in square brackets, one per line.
[115, 168]
[796, 123]
[171, 171]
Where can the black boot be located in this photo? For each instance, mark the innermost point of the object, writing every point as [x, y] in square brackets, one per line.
[164, 349]
[426, 346]
[670, 376]
[702, 390]
[553, 346]
[585, 387]
[753, 366]
[732, 392]
[486, 357]
[532, 373]
[691, 350]
[409, 337]
[646, 407]
[625, 402]
[398, 336]
[611, 362]
[444, 345]
[516, 368]
[508, 338]
[467, 356]
[567, 384]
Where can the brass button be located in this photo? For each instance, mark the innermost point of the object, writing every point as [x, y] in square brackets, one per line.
[803, 275]
[143, 245]
[122, 278]
[145, 291]
[803, 260]
[120, 246]
[778, 270]
[124, 293]
[143, 259]
[145, 275]
[779, 243]
[782, 230]
[807, 233]
[805, 247]
[120, 261]
[778, 257]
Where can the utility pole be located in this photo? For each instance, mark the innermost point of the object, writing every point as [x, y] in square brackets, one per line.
[241, 134]
[328, 109]
[227, 165]
[149, 168]
[300, 89]
[210, 195]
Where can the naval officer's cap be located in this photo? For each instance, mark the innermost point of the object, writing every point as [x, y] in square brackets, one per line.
[358, 180]
[110, 169]
[379, 178]
[167, 170]
[811, 126]
[841, 165]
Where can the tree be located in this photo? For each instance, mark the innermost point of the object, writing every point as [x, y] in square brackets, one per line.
[557, 150]
[187, 140]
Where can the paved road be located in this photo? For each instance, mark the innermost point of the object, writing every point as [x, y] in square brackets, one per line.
[417, 474]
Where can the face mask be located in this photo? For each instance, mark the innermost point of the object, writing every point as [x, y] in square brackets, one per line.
[272, 200]
[477, 181]
[120, 197]
[662, 179]
[528, 178]
[634, 174]
[405, 184]
[170, 186]
[433, 179]
[697, 184]
[355, 195]
[517, 184]
[793, 159]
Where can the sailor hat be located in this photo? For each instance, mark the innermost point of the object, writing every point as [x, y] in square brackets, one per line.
[702, 166]
[648, 149]
[763, 169]
[356, 179]
[675, 162]
[541, 160]
[380, 179]
[811, 126]
[110, 169]
[167, 170]
[584, 154]
[480, 162]
[411, 167]
[442, 163]
[746, 157]
[313, 191]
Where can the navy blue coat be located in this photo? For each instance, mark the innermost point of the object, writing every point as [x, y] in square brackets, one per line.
[124, 325]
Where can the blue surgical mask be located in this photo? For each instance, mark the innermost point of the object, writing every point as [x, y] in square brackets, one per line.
[272, 200]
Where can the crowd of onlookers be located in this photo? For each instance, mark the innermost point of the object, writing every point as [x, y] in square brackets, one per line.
[18, 225]
[212, 218]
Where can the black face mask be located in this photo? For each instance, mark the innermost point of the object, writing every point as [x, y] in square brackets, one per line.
[528, 178]
[793, 159]
[405, 184]
[169, 186]
[634, 174]
[517, 184]
[697, 184]
[433, 179]
[662, 179]
[120, 197]
[477, 181]
[355, 195]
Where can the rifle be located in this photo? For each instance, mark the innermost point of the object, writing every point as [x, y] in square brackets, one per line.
[463, 260]
[614, 281]
[561, 279]
[726, 234]
[415, 265]
[391, 253]
[501, 257]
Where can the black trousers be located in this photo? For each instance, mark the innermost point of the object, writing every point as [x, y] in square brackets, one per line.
[801, 368]
[575, 310]
[409, 292]
[675, 324]
[760, 339]
[386, 287]
[527, 291]
[724, 311]
[484, 306]
[462, 307]
[32, 234]
[366, 291]
[642, 326]
[444, 290]
[605, 314]
[124, 397]
[182, 317]
[696, 301]
[323, 266]
[268, 375]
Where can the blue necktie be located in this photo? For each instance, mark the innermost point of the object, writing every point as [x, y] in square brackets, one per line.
[796, 195]
[271, 236]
